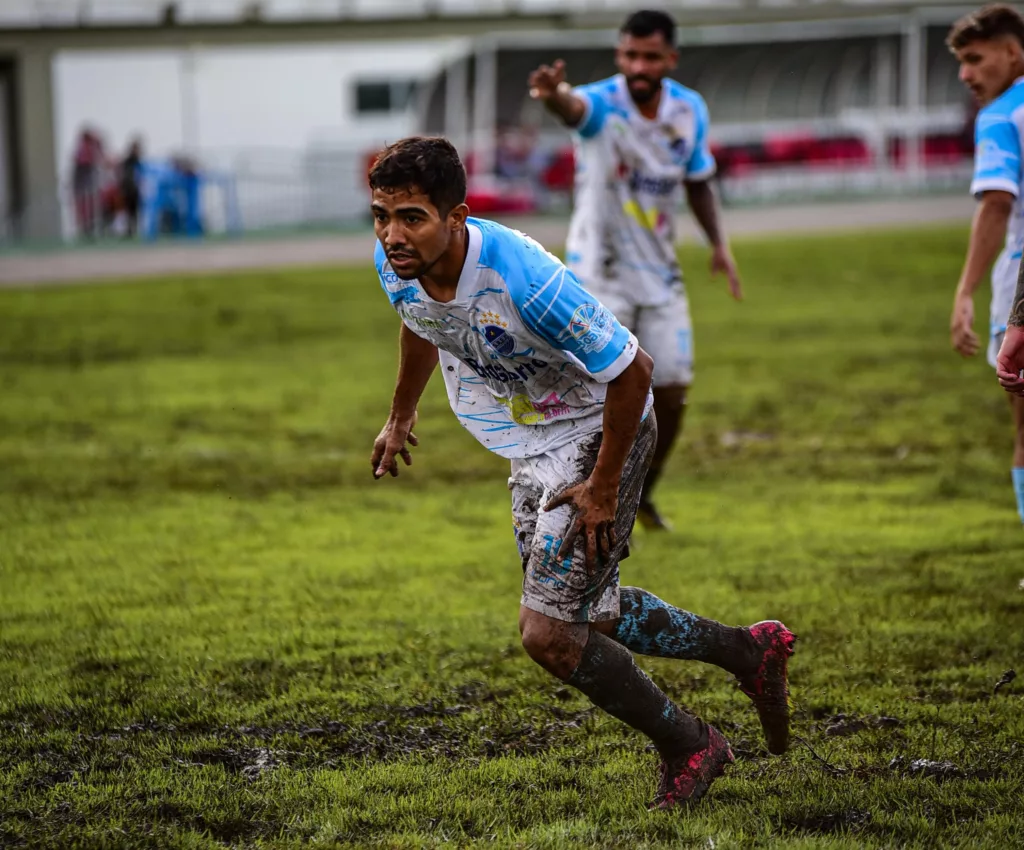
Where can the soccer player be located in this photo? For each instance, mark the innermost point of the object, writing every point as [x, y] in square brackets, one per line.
[989, 45]
[541, 373]
[639, 137]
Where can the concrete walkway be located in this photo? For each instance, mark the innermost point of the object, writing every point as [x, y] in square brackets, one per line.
[108, 264]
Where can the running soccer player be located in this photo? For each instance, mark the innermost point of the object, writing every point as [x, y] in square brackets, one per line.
[639, 137]
[542, 374]
[989, 45]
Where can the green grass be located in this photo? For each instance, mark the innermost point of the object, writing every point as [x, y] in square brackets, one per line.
[217, 629]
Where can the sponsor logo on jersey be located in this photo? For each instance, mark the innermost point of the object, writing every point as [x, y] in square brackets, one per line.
[990, 157]
[592, 326]
[514, 374]
[660, 186]
[525, 411]
[428, 324]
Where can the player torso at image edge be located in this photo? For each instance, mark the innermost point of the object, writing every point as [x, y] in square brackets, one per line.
[629, 176]
[998, 131]
[526, 352]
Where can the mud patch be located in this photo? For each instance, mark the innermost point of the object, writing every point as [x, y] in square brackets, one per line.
[927, 768]
[249, 763]
[841, 725]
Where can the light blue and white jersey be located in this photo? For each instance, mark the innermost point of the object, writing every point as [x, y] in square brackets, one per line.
[526, 351]
[998, 131]
[629, 176]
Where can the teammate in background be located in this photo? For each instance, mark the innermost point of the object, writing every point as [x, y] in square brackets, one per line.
[639, 137]
[542, 374]
[989, 45]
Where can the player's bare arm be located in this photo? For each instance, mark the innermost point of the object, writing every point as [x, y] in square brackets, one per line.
[1010, 360]
[988, 233]
[417, 360]
[704, 206]
[596, 499]
[548, 85]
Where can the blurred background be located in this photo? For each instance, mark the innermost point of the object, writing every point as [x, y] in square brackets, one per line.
[156, 119]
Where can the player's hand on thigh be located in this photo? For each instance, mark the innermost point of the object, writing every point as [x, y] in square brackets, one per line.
[391, 444]
[1010, 361]
[595, 505]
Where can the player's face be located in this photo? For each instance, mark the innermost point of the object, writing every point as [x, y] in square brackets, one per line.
[644, 62]
[412, 232]
[988, 68]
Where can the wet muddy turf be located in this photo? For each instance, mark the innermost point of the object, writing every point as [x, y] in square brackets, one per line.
[217, 630]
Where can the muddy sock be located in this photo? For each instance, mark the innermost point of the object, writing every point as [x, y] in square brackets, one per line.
[650, 626]
[608, 675]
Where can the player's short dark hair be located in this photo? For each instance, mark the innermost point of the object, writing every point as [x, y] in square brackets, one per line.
[989, 22]
[429, 164]
[648, 22]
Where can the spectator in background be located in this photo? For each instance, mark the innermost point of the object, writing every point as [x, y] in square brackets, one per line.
[86, 171]
[129, 185]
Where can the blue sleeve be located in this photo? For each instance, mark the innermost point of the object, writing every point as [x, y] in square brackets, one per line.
[596, 110]
[702, 163]
[997, 164]
[555, 306]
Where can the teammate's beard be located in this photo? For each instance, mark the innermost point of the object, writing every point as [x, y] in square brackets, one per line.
[643, 96]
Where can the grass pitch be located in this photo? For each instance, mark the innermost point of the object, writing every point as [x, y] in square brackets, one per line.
[217, 630]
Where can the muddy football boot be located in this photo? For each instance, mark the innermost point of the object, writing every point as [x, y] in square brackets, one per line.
[768, 685]
[686, 779]
[647, 515]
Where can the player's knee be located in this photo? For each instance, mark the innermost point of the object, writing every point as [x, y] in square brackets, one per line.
[553, 645]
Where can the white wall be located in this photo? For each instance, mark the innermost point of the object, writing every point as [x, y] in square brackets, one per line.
[226, 99]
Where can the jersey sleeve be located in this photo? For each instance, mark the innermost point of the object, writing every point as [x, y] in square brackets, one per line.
[701, 165]
[554, 306]
[595, 110]
[997, 166]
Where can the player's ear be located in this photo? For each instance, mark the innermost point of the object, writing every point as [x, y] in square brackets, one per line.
[673, 59]
[457, 217]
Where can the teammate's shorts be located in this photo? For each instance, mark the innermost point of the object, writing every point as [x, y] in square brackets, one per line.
[995, 342]
[563, 588]
[664, 332]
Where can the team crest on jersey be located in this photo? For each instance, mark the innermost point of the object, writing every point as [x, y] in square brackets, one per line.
[495, 331]
[592, 326]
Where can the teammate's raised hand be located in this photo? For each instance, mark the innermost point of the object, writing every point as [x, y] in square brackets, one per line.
[544, 82]
[391, 444]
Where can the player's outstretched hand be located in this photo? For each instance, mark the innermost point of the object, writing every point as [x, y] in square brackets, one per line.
[961, 326]
[1010, 361]
[546, 79]
[595, 507]
[391, 444]
[722, 261]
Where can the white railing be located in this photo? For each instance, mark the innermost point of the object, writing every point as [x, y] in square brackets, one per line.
[43, 13]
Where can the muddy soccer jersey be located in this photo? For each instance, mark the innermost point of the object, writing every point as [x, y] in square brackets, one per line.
[526, 352]
[998, 131]
[629, 175]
